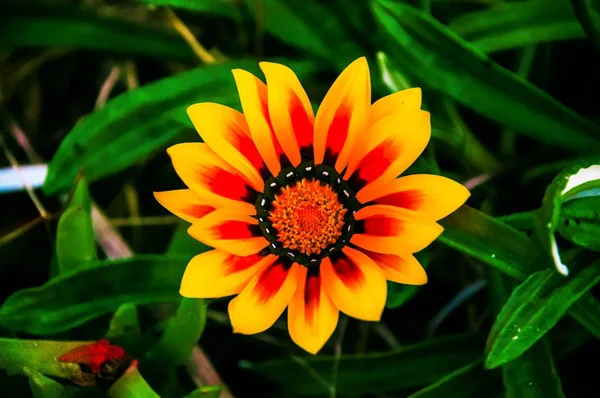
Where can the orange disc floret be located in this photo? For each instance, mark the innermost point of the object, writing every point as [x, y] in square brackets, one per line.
[308, 217]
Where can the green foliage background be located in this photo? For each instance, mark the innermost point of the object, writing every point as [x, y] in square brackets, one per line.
[98, 90]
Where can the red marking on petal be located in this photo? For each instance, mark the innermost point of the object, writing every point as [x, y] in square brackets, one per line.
[303, 126]
[226, 184]
[312, 295]
[198, 211]
[348, 271]
[338, 130]
[233, 230]
[247, 147]
[271, 281]
[377, 161]
[235, 264]
[382, 226]
[410, 199]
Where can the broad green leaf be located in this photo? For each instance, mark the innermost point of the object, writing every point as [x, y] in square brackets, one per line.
[21, 356]
[373, 373]
[71, 299]
[45, 387]
[310, 26]
[520, 221]
[469, 381]
[75, 242]
[205, 392]
[490, 241]
[398, 293]
[225, 8]
[532, 375]
[533, 308]
[511, 25]
[579, 222]
[571, 181]
[135, 124]
[49, 25]
[181, 334]
[131, 385]
[512, 252]
[433, 55]
[588, 14]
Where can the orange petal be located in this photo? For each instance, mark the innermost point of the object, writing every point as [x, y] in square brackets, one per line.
[343, 115]
[253, 96]
[290, 110]
[400, 269]
[184, 204]
[409, 99]
[230, 232]
[211, 178]
[312, 316]
[432, 196]
[216, 273]
[226, 132]
[393, 230]
[264, 299]
[393, 144]
[355, 284]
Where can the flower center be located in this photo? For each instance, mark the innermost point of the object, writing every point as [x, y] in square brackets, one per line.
[308, 216]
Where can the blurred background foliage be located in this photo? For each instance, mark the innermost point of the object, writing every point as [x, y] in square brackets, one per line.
[97, 89]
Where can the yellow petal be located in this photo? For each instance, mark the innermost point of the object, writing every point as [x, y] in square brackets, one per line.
[216, 273]
[343, 115]
[289, 109]
[211, 178]
[400, 269]
[355, 284]
[230, 232]
[264, 299]
[253, 96]
[312, 316]
[184, 204]
[393, 230]
[226, 132]
[433, 197]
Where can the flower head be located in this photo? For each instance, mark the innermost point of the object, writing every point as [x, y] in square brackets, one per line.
[304, 211]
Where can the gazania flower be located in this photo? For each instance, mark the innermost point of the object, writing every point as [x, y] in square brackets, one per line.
[306, 212]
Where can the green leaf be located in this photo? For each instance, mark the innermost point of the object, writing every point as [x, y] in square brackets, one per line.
[310, 26]
[511, 25]
[373, 373]
[131, 385]
[579, 222]
[45, 387]
[35, 24]
[75, 242]
[532, 375]
[433, 55]
[181, 334]
[486, 239]
[533, 309]
[135, 124]
[224, 8]
[205, 392]
[469, 381]
[71, 299]
[125, 322]
[21, 356]
[588, 14]
[398, 293]
[571, 181]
